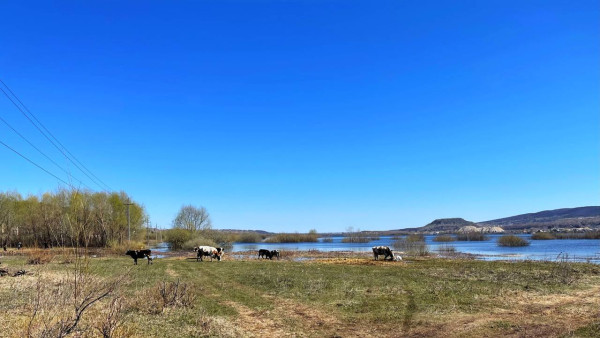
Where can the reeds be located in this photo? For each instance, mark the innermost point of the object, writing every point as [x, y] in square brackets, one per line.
[471, 236]
[542, 236]
[512, 241]
[292, 238]
[412, 245]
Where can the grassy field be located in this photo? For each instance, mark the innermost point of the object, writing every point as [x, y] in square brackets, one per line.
[331, 296]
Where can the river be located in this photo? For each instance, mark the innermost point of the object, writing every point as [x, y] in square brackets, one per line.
[582, 250]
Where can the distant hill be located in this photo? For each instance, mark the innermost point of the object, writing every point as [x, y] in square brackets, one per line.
[557, 218]
[566, 218]
[261, 232]
[446, 224]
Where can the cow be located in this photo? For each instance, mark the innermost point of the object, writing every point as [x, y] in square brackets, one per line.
[383, 250]
[264, 253]
[208, 251]
[135, 254]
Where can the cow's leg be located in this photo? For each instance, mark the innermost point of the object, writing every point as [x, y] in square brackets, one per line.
[135, 261]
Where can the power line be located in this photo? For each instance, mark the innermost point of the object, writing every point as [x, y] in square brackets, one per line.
[41, 152]
[48, 138]
[52, 135]
[37, 165]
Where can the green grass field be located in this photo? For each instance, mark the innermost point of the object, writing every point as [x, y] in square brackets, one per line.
[322, 298]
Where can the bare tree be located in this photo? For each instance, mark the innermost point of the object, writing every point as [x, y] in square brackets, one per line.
[192, 218]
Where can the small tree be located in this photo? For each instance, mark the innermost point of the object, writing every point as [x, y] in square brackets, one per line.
[192, 218]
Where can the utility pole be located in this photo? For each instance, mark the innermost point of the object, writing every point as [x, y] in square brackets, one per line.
[128, 222]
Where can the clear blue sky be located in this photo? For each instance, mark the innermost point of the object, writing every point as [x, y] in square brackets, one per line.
[292, 115]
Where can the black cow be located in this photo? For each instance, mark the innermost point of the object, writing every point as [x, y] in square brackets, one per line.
[264, 253]
[383, 250]
[135, 254]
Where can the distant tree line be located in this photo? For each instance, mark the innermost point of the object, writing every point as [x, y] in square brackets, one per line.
[69, 218]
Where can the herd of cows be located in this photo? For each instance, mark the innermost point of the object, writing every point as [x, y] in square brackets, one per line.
[217, 253]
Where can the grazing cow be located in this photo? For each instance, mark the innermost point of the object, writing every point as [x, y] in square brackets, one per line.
[264, 253]
[208, 251]
[275, 253]
[135, 254]
[383, 250]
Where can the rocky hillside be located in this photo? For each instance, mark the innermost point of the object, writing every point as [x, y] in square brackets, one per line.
[582, 217]
[446, 224]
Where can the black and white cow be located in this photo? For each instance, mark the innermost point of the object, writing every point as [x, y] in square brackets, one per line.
[135, 254]
[275, 253]
[383, 250]
[208, 251]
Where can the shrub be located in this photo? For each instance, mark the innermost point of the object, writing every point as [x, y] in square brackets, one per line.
[177, 237]
[327, 240]
[512, 240]
[248, 237]
[444, 238]
[542, 235]
[175, 294]
[413, 245]
[471, 236]
[40, 257]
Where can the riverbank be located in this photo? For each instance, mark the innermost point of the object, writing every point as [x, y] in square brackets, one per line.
[318, 294]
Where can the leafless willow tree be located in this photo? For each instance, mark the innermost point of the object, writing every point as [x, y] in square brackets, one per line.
[192, 218]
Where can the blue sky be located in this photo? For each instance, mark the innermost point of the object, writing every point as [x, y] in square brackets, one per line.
[292, 115]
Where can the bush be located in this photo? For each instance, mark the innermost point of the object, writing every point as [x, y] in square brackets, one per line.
[512, 240]
[542, 235]
[413, 245]
[248, 237]
[471, 236]
[177, 238]
[444, 238]
[327, 240]
[40, 257]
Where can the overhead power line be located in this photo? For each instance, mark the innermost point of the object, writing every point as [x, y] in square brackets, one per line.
[41, 152]
[27, 113]
[37, 165]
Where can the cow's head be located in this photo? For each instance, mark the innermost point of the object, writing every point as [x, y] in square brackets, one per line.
[195, 248]
[130, 253]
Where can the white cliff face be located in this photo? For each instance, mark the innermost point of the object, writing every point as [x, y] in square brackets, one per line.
[485, 230]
